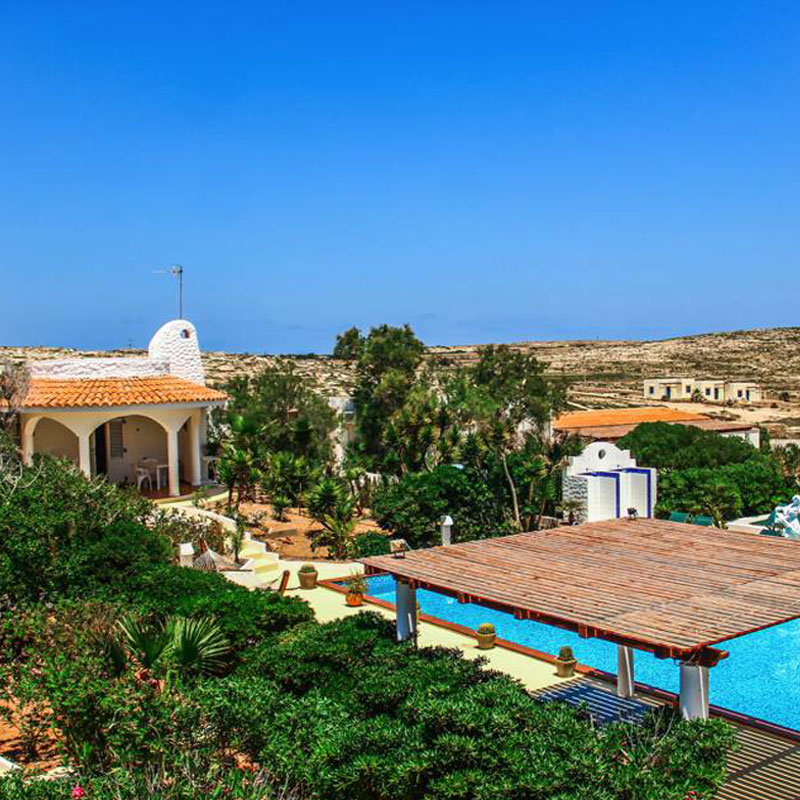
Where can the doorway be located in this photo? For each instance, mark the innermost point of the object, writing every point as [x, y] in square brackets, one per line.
[100, 461]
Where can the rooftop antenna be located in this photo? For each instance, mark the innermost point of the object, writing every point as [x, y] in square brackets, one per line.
[176, 270]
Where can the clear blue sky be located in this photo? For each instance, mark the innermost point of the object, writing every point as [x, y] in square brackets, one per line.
[485, 171]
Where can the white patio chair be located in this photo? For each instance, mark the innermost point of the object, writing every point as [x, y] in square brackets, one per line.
[142, 476]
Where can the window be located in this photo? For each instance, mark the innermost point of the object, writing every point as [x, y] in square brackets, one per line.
[186, 333]
[708, 392]
[116, 446]
[739, 393]
[652, 390]
[688, 389]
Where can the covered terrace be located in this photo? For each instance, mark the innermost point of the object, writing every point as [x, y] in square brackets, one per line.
[670, 589]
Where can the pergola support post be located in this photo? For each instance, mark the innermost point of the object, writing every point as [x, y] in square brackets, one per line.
[625, 679]
[694, 691]
[406, 608]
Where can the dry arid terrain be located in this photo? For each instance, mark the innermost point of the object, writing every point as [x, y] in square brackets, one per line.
[602, 374]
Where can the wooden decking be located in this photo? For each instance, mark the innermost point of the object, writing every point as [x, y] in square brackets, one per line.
[765, 766]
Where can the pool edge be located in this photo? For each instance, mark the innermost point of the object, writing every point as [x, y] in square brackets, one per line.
[336, 585]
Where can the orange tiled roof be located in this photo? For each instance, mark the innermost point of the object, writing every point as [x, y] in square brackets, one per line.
[622, 416]
[110, 392]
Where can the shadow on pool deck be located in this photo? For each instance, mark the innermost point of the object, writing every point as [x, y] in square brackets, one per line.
[766, 766]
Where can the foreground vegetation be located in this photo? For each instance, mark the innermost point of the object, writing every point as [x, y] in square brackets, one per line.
[151, 680]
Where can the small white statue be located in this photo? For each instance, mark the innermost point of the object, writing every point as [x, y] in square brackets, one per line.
[787, 519]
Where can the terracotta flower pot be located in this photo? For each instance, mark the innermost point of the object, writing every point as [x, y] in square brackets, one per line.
[485, 640]
[308, 580]
[354, 599]
[565, 668]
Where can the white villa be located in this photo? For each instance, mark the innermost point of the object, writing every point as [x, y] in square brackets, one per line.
[711, 390]
[140, 421]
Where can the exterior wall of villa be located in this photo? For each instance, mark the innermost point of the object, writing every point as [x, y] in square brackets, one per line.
[147, 433]
[98, 368]
[607, 482]
[141, 438]
[669, 388]
[56, 440]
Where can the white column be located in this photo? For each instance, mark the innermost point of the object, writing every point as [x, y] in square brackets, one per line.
[195, 469]
[447, 530]
[84, 454]
[624, 671]
[406, 608]
[28, 428]
[694, 692]
[173, 462]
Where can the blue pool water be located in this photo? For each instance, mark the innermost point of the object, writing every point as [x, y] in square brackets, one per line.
[759, 677]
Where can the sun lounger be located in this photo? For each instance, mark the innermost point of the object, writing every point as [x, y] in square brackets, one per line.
[702, 519]
[678, 516]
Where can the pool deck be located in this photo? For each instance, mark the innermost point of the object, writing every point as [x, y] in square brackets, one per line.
[766, 766]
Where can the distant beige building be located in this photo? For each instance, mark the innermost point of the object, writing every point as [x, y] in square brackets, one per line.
[711, 390]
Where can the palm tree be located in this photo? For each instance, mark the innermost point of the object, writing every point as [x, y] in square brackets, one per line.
[181, 646]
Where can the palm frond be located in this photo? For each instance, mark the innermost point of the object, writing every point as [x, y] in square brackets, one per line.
[145, 643]
[198, 646]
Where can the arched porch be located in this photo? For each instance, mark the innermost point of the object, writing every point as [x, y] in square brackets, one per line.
[167, 442]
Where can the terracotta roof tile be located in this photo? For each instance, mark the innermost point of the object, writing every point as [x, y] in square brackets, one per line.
[110, 392]
[622, 416]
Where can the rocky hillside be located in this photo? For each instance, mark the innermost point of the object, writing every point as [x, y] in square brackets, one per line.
[601, 373]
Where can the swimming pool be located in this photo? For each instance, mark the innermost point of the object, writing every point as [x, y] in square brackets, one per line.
[759, 677]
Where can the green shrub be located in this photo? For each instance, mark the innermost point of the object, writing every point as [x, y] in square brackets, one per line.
[244, 616]
[343, 710]
[60, 531]
[370, 544]
[190, 778]
[667, 446]
[412, 508]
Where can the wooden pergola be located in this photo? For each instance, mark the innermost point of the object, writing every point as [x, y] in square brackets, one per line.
[669, 588]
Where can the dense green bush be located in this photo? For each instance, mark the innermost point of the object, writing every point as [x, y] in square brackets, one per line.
[370, 544]
[705, 473]
[753, 487]
[343, 710]
[244, 616]
[667, 446]
[413, 507]
[60, 531]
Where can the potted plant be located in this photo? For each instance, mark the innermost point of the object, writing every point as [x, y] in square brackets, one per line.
[485, 635]
[308, 576]
[565, 663]
[356, 589]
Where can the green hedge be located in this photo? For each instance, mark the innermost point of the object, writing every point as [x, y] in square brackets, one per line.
[245, 616]
[343, 711]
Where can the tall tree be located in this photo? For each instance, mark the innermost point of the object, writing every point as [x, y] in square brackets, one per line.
[387, 370]
[349, 345]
